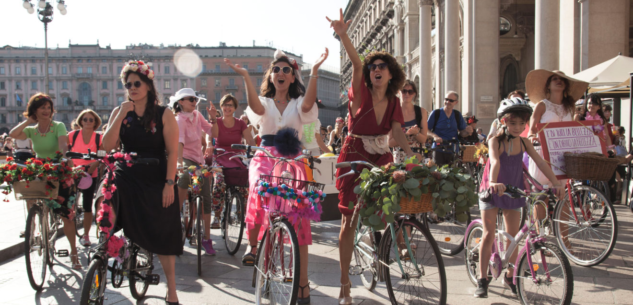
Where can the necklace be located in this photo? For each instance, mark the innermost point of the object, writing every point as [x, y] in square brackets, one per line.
[48, 129]
[279, 102]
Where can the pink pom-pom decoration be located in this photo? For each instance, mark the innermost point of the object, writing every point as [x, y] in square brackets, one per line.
[320, 192]
[267, 195]
[85, 182]
[274, 184]
[114, 246]
[127, 157]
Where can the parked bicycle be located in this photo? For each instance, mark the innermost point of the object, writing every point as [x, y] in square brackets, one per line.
[406, 257]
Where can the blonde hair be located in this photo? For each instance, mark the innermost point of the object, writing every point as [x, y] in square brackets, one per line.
[91, 112]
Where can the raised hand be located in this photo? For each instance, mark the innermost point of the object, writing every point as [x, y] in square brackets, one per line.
[321, 59]
[211, 111]
[126, 107]
[236, 67]
[340, 26]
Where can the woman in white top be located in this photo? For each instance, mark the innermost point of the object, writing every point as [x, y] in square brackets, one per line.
[249, 127]
[284, 102]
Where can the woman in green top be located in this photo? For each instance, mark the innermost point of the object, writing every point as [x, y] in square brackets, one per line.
[48, 137]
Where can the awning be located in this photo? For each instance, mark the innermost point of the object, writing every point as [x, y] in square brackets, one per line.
[609, 73]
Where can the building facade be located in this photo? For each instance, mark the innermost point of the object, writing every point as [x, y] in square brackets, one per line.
[327, 93]
[483, 49]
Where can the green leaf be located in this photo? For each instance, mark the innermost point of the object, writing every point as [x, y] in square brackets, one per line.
[374, 219]
[462, 217]
[424, 189]
[370, 210]
[459, 198]
[363, 184]
[386, 200]
[385, 208]
[384, 191]
[390, 218]
[435, 195]
[395, 199]
[396, 208]
[411, 183]
[462, 189]
[350, 205]
[448, 186]
[425, 181]
[416, 192]
[357, 189]
[366, 222]
[444, 194]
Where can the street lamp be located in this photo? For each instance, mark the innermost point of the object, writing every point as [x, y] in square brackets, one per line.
[45, 14]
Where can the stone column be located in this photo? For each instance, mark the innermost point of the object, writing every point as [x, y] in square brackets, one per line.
[546, 31]
[451, 51]
[426, 65]
[569, 48]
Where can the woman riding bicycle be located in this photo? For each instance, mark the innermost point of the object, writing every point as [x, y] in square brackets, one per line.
[505, 166]
[83, 140]
[231, 131]
[374, 111]
[284, 102]
[191, 124]
[415, 122]
[48, 138]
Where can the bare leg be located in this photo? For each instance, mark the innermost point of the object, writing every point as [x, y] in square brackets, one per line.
[489, 219]
[345, 249]
[511, 219]
[87, 223]
[252, 238]
[169, 266]
[69, 231]
[303, 258]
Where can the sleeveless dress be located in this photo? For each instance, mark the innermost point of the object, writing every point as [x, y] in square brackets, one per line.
[140, 189]
[510, 172]
[553, 113]
[398, 153]
[363, 123]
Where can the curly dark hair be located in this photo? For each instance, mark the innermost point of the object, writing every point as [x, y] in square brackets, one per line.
[36, 101]
[397, 75]
[152, 99]
[295, 90]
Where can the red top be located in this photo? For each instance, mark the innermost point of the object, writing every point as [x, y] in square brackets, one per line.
[228, 136]
[366, 118]
[81, 147]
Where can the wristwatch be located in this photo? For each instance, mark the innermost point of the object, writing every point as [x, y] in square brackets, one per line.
[170, 182]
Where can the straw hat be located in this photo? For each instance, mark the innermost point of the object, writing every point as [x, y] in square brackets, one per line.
[536, 80]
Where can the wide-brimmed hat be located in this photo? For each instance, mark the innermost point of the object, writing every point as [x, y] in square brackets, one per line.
[536, 80]
[182, 93]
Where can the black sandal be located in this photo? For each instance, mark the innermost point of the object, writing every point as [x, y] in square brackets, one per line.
[304, 301]
[170, 303]
[249, 258]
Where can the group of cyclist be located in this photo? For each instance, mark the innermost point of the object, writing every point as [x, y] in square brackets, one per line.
[384, 126]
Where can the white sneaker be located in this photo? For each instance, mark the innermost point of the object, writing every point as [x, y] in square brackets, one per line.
[85, 241]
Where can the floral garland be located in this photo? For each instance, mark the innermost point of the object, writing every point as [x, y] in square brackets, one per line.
[137, 66]
[306, 204]
[195, 172]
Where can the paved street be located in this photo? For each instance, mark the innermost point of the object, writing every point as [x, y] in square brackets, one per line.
[225, 281]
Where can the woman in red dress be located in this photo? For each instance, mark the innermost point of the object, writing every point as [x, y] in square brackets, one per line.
[374, 111]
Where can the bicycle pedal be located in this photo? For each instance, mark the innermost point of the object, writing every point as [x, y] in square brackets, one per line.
[62, 253]
[152, 279]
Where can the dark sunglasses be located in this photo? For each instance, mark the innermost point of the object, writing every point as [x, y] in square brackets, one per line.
[191, 99]
[450, 100]
[286, 70]
[410, 91]
[88, 120]
[380, 66]
[137, 84]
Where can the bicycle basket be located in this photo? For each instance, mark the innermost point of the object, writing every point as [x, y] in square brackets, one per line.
[235, 176]
[469, 153]
[410, 206]
[281, 197]
[590, 166]
[35, 190]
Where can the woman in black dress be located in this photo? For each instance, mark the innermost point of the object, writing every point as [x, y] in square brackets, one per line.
[147, 212]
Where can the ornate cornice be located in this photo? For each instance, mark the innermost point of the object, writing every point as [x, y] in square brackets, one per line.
[425, 2]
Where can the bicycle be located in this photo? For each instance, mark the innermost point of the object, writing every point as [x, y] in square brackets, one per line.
[194, 230]
[130, 259]
[411, 267]
[276, 274]
[535, 265]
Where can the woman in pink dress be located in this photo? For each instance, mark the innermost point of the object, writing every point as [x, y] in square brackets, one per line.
[374, 111]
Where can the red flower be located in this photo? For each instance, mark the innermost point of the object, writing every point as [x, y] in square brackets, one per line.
[46, 193]
[38, 162]
[47, 166]
[27, 186]
[25, 170]
[13, 167]
[399, 176]
[9, 159]
[410, 166]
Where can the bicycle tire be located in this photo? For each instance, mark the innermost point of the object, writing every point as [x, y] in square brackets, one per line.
[36, 265]
[268, 267]
[94, 284]
[472, 242]
[53, 226]
[524, 276]
[453, 243]
[603, 187]
[368, 273]
[116, 274]
[233, 223]
[199, 233]
[428, 257]
[580, 247]
[138, 289]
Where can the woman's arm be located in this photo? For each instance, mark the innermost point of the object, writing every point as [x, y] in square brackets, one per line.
[424, 129]
[322, 146]
[331, 141]
[495, 166]
[340, 28]
[170, 134]
[493, 130]
[539, 110]
[251, 93]
[576, 118]
[606, 132]
[18, 131]
[310, 97]
[246, 135]
[114, 125]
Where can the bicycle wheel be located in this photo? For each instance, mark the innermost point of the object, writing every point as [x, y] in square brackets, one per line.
[474, 236]
[425, 284]
[278, 273]
[184, 220]
[589, 241]
[94, 285]
[35, 251]
[364, 256]
[79, 214]
[553, 278]
[53, 226]
[233, 221]
[447, 231]
[140, 266]
[198, 234]
[116, 274]
[602, 187]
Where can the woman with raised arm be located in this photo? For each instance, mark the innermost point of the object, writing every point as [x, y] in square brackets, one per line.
[284, 102]
[148, 210]
[374, 111]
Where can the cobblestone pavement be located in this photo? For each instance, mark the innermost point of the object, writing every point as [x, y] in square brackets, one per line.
[225, 281]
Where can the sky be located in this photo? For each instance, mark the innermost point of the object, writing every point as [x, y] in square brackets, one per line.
[298, 26]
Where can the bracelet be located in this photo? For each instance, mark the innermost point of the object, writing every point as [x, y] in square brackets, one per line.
[314, 76]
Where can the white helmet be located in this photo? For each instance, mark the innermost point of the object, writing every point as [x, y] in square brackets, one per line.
[512, 105]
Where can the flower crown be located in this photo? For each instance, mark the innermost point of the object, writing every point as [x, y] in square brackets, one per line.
[137, 66]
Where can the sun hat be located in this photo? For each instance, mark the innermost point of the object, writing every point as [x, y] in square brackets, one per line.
[536, 80]
[182, 93]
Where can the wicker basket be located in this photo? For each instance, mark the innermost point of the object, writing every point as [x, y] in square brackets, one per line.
[469, 153]
[590, 166]
[409, 206]
[36, 190]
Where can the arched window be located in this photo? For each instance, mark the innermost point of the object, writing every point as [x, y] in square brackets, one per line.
[85, 93]
[509, 79]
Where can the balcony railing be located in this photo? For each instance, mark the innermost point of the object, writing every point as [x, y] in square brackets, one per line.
[82, 75]
[231, 87]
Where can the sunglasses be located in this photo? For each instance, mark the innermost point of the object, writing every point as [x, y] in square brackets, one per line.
[88, 120]
[137, 84]
[191, 99]
[380, 66]
[450, 100]
[286, 70]
[410, 91]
